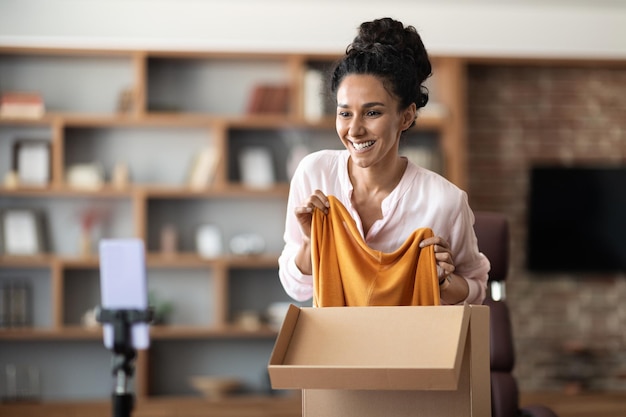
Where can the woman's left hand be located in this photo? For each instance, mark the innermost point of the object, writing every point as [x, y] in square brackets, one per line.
[443, 254]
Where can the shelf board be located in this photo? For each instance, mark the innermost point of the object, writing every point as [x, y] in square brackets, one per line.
[190, 260]
[153, 259]
[174, 332]
[106, 191]
[198, 332]
[27, 261]
[46, 119]
[45, 334]
[229, 190]
[136, 120]
[150, 191]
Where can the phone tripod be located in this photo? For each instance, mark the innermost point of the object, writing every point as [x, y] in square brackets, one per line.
[124, 353]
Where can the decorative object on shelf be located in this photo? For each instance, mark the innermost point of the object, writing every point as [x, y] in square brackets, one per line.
[11, 180]
[16, 304]
[209, 241]
[21, 105]
[248, 320]
[256, 167]
[21, 231]
[125, 101]
[215, 387]
[21, 383]
[269, 99]
[89, 318]
[275, 314]
[203, 169]
[162, 309]
[247, 244]
[120, 176]
[297, 152]
[85, 176]
[169, 239]
[89, 219]
[31, 161]
[422, 156]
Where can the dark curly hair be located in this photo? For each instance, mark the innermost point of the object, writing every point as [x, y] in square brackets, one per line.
[394, 53]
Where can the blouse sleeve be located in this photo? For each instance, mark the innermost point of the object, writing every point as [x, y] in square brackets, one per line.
[297, 285]
[470, 264]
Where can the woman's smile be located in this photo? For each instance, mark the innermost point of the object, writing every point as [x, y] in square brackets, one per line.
[363, 146]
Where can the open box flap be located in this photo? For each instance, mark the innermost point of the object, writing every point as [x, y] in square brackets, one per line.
[375, 348]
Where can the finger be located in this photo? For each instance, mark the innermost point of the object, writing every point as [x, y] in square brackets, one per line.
[435, 240]
[444, 257]
[303, 210]
[447, 268]
[318, 200]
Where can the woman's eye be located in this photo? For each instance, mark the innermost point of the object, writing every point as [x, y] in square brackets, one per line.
[372, 113]
[343, 114]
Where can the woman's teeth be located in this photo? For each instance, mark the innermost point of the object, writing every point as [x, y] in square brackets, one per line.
[363, 145]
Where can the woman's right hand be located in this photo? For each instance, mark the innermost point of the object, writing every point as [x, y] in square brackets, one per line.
[304, 212]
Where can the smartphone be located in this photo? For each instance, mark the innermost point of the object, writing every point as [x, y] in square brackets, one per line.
[123, 285]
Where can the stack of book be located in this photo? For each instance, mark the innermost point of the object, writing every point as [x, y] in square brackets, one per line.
[269, 99]
[21, 105]
[15, 304]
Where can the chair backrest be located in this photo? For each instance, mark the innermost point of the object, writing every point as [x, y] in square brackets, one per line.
[492, 231]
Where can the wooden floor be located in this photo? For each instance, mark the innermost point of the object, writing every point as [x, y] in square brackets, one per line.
[580, 405]
[182, 407]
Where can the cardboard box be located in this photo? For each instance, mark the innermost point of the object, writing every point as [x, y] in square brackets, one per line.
[385, 361]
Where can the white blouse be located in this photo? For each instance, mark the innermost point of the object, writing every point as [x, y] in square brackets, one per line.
[422, 198]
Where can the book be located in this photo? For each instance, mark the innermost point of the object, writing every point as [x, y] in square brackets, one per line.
[4, 306]
[16, 303]
[269, 99]
[313, 99]
[203, 169]
[21, 105]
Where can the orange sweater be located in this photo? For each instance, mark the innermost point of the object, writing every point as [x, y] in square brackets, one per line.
[346, 272]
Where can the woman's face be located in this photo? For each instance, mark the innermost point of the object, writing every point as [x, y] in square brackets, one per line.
[368, 121]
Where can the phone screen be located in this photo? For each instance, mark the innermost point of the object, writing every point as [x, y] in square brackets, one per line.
[123, 285]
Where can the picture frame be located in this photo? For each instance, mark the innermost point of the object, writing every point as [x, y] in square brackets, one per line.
[21, 232]
[32, 162]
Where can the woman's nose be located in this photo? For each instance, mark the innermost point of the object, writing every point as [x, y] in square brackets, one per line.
[356, 127]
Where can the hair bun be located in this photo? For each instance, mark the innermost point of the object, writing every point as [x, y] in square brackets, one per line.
[393, 52]
[383, 35]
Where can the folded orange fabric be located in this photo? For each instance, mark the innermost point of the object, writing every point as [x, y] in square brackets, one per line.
[346, 272]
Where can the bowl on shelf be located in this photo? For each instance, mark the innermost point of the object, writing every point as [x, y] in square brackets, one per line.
[215, 387]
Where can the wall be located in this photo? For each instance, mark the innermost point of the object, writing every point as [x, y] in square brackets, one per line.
[571, 28]
[507, 127]
[520, 115]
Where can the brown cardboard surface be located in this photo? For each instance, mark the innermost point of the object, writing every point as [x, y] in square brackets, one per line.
[349, 363]
[373, 348]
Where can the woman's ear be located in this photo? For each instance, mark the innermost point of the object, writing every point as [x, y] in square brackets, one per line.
[408, 116]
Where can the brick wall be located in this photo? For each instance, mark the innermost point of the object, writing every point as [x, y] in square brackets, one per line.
[520, 115]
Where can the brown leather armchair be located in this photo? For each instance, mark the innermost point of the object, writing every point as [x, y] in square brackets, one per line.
[492, 231]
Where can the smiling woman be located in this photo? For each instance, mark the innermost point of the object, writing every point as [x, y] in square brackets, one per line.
[379, 88]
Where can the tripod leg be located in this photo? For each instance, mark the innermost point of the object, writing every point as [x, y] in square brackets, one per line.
[122, 405]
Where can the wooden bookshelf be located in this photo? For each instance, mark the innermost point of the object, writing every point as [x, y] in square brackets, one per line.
[180, 101]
